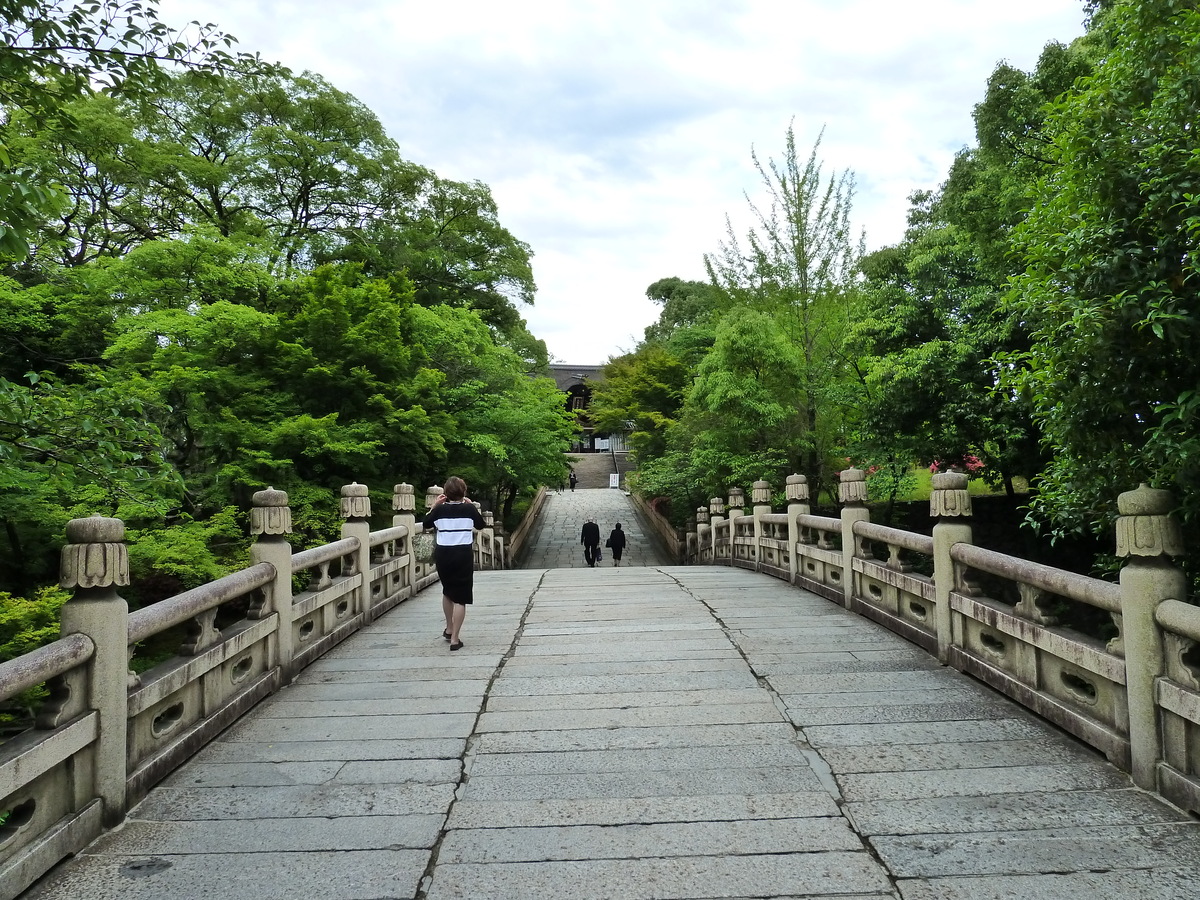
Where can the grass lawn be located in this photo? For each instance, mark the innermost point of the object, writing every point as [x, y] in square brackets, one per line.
[977, 487]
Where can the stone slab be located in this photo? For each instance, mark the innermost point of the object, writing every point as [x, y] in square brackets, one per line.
[949, 694]
[664, 879]
[475, 672]
[539, 667]
[403, 706]
[632, 738]
[921, 732]
[1014, 779]
[294, 801]
[626, 700]
[960, 711]
[468, 814]
[588, 685]
[790, 665]
[1046, 749]
[300, 751]
[646, 783]
[1157, 884]
[684, 759]
[632, 841]
[138, 838]
[361, 728]
[342, 876]
[369, 689]
[763, 710]
[1044, 851]
[866, 681]
[1010, 812]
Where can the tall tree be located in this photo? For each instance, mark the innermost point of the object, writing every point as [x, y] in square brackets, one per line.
[1112, 271]
[52, 51]
[799, 263]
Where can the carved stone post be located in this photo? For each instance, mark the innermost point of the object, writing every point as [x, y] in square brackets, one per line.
[270, 523]
[1146, 537]
[404, 505]
[489, 537]
[852, 494]
[716, 509]
[737, 503]
[950, 505]
[797, 498]
[737, 509]
[703, 536]
[760, 496]
[356, 510]
[94, 564]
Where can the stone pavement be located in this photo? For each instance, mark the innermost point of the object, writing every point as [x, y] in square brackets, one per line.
[639, 733]
[555, 543]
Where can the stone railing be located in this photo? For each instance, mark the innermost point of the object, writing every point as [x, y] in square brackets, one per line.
[520, 536]
[106, 736]
[1136, 698]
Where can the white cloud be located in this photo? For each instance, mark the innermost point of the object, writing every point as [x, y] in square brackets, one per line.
[616, 136]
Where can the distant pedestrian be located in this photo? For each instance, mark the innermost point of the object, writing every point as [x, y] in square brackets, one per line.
[574, 480]
[616, 543]
[455, 518]
[590, 538]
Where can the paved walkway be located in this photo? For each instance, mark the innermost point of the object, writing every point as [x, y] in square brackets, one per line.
[639, 733]
[555, 543]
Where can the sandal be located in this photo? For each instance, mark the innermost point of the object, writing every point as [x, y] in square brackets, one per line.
[457, 646]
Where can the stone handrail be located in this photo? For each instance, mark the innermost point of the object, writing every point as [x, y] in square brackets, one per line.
[1101, 594]
[520, 535]
[43, 664]
[106, 736]
[1136, 698]
[152, 620]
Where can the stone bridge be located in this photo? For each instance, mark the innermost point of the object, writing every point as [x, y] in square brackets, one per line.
[769, 721]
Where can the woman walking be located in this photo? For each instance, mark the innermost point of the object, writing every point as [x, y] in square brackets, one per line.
[616, 542]
[455, 518]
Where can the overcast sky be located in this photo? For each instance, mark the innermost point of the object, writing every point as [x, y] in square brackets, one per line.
[616, 135]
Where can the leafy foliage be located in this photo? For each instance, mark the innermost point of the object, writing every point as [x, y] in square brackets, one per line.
[52, 51]
[1112, 271]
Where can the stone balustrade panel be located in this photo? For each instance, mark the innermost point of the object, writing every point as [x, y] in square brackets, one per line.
[889, 588]
[1178, 696]
[389, 578]
[819, 556]
[49, 802]
[221, 669]
[324, 613]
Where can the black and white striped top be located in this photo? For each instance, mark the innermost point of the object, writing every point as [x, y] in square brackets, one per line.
[454, 521]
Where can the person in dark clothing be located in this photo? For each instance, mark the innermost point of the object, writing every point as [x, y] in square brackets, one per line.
[455, 518]
[573, 478]
[616, 543]
[590, 538]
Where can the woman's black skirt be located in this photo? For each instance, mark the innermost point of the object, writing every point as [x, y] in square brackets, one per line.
[455, 568]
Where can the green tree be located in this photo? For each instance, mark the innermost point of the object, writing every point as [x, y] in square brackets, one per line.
[642, 394]
[799, 263]
[52, 51]
[1109, 290]
[690, 311]
[928, 330]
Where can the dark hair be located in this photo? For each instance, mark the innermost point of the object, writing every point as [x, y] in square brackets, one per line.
[455, 488]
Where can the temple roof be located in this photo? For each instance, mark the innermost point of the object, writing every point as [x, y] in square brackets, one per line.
[567, 376]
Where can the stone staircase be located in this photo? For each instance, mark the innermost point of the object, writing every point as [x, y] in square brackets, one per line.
[593, 469]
